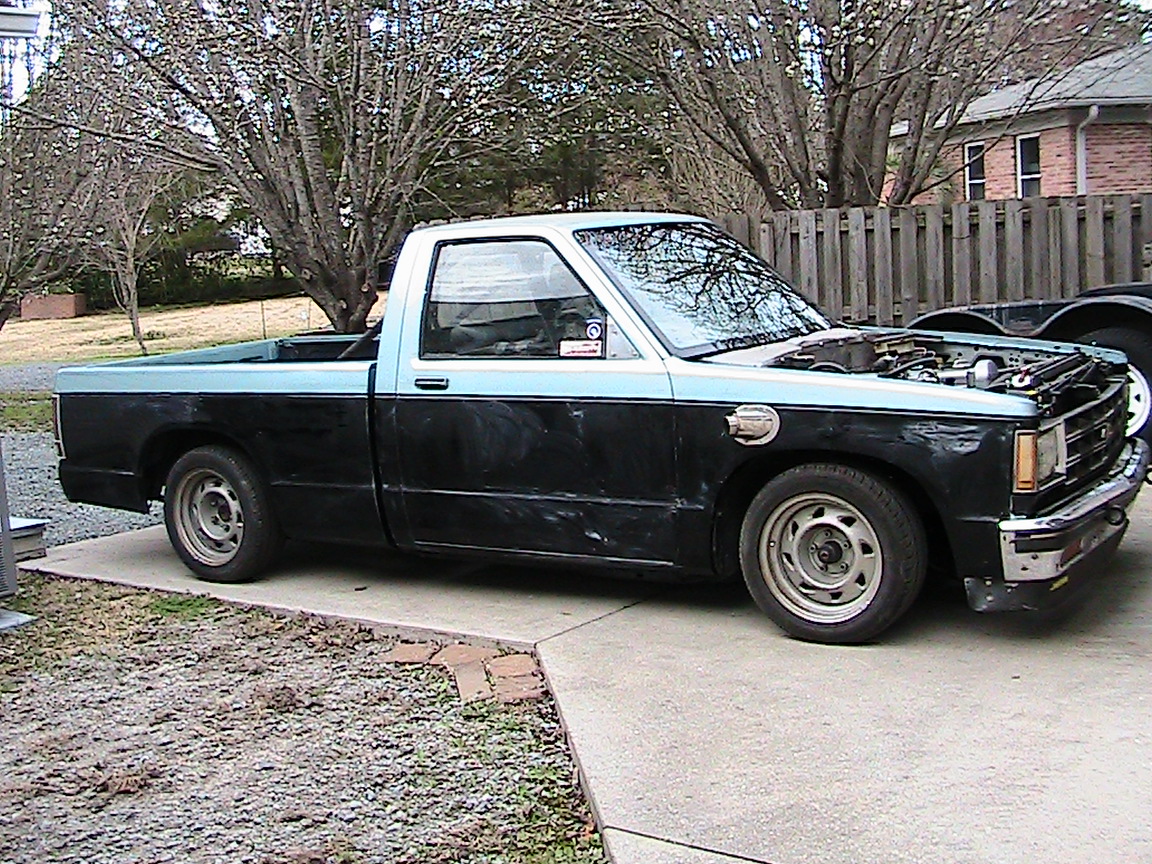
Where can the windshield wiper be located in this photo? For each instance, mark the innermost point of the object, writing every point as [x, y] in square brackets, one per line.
[736, 343]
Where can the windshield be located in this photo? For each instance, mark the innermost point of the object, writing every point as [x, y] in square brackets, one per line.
[699, 289]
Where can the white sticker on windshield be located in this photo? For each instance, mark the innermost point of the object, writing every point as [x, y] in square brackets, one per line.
[581, 348]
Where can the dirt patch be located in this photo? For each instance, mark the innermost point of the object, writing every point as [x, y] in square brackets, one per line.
[144, 727]
[109, 335]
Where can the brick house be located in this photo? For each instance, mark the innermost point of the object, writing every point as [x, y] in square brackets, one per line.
[1086, 131]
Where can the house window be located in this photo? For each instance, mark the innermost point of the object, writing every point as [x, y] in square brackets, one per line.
[974, 170]
[1028, 165]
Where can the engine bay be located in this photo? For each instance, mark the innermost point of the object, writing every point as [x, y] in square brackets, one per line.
[1057, 381]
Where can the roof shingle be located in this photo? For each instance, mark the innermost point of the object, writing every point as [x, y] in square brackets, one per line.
[1123, 77]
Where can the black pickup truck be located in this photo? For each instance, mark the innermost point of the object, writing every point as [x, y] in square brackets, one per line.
[635, 391]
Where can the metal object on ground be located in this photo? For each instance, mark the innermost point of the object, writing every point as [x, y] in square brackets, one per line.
[7, 553]
[10, 620]
[27, 537]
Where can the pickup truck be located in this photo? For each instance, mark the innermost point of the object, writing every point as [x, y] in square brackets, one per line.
[634, 391]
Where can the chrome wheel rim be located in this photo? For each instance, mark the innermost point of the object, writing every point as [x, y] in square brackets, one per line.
[1139, 401]
[820, 558]
[209, 519]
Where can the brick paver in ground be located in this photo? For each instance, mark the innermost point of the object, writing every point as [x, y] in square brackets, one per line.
[512, 665]
[472, 682]
[411, 652]
[459, 654]
[479, 673]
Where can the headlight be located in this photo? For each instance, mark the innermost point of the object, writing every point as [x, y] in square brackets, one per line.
[1039, 457]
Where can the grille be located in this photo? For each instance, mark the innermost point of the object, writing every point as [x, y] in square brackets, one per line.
[1094, 435]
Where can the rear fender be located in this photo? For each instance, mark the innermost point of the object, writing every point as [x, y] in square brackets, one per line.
[959, 321]
[1097, 313]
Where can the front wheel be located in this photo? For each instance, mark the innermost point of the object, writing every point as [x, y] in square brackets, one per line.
[218, 517]
[832, 554]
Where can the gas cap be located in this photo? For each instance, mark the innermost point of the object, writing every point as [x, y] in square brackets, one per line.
[753, 424]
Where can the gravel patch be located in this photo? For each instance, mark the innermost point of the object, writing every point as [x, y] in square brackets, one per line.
[29, 378]
[34, 493]
[145, 727]
[142, 727]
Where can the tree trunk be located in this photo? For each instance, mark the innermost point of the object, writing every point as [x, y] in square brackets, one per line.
[346, 300]
[8, 308]
[134, 313]
[127, 297]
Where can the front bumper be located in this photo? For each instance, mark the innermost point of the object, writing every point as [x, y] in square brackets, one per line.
[1046, 556]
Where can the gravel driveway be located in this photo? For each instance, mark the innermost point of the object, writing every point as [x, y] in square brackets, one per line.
[34, 493]
[30, 377]
[142, 728]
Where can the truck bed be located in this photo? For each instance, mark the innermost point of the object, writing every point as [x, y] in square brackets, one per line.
[286, 350]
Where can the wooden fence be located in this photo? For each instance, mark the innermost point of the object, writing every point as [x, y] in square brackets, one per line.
[886, 265]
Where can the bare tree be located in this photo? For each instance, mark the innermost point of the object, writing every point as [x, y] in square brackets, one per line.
[125, 232]
[705, 177]
[804, 96]
[329, 118]
[49, 187]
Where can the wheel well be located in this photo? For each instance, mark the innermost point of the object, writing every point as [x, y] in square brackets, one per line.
[162, 450]
[960, 322]
[1082, 319]
[742, 486]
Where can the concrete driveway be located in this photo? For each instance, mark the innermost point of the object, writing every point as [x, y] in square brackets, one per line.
[705, 736]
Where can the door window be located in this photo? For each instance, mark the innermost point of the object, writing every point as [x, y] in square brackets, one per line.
[510, 298]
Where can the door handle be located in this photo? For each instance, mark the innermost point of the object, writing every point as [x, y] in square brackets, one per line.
[432, 383]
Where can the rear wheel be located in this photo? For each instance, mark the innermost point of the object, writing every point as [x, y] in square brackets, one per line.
[1137, 344]
[218, 518]
[832, 553]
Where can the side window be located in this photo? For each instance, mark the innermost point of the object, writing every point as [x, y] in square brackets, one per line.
[509, 298]
[974, 171]
[1028, 165]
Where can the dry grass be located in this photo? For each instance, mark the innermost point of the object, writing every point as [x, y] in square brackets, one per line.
[108, 334]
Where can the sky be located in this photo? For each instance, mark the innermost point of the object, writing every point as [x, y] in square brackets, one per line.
[20, 75]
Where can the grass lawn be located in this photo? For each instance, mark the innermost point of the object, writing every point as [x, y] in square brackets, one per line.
[25, 412]
[107, 335]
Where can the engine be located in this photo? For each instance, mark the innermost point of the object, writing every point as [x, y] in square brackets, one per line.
[1057, 381]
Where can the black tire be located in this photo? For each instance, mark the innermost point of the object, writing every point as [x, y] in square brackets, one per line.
[1137, 344]
[218, 517]
[864, 553]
